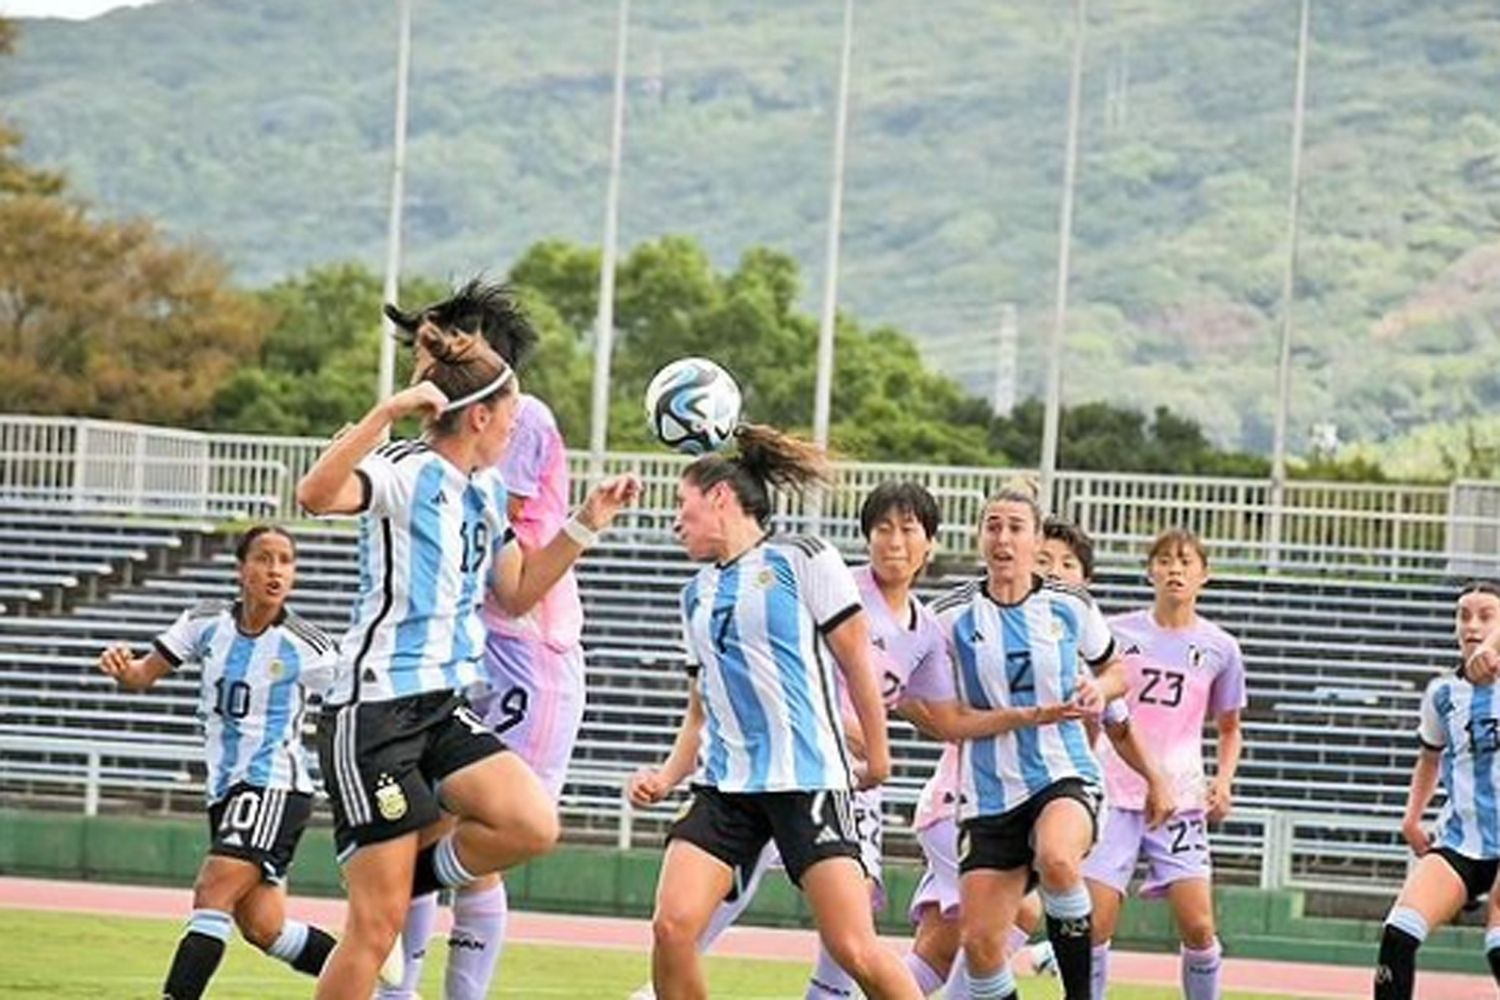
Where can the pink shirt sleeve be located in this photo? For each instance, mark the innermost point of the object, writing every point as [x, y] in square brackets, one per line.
[1228, 691]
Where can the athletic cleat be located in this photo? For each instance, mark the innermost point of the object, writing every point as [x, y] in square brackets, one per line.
[1043, 962]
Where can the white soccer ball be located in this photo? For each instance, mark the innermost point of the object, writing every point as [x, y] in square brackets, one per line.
[693, 405]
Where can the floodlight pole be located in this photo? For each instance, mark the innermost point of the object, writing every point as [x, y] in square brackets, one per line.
[1288, 297]
[822, 398]
[390, 288]
[604, 324]
[1052, 417]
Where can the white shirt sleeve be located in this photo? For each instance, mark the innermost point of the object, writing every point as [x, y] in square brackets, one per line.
[181, 642]
[1430, 730]
[385, 488]
[1095, 642]
[829, 588]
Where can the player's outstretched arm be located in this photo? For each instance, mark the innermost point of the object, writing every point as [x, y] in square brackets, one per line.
[850, 643]
[130, 672]
[648, 786]
[330, 486]
[522, 578]
[951, 721]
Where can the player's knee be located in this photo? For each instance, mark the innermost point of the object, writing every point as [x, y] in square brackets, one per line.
[1058, 871]
[374, 929]
[981, 948]
[536, 836]
[671, 929]
[1197, 932]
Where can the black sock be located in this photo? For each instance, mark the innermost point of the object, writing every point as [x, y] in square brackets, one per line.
[1494, 956]
[315, 952]
[193, 966]
[424, 877]
[1074, 951]
[1396, 973]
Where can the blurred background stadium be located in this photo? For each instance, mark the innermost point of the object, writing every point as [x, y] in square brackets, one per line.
[1200, 217]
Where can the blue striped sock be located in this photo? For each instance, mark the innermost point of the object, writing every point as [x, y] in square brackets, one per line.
[290, 942]
[450, 871]
[211, 923]
[996, 986]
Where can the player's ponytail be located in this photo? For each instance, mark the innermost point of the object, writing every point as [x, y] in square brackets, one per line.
[765, 457]
[464, 367]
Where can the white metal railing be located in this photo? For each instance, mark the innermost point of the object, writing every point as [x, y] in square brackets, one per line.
[1288, 850]
[1390, 530]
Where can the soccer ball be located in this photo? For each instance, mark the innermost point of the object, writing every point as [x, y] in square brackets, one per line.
[693, 405]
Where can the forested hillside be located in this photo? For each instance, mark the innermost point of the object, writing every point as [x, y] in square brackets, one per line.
[262, 127]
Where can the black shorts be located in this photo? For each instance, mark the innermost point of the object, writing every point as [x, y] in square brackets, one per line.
[1478, 876]
[259, 825]
[382, 761]
[1004, 842]
[808, 827]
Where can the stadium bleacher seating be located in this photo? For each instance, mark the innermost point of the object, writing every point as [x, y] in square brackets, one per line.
[1336, 668]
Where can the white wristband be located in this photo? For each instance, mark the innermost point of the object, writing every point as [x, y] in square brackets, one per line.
[581, 533]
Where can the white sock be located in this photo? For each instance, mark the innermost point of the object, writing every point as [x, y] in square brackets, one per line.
[475, 944]
[421, 915]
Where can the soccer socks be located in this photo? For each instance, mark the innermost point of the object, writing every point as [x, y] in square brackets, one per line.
[1492, 951]
[1000, 985]
[302, 947]
[928, 981]
[829, 981]
[729, 911]
[1099, 971]
[198, 955]
[1069, 927]
[1015, 940]
[1396, 973]
[438, 867]
[476, 941]
[958, 978]
[421, 915]
[1200, 971]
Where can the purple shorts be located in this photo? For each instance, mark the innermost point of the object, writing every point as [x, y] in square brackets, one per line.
[939, 884]
[534, 703]
[1173, 852]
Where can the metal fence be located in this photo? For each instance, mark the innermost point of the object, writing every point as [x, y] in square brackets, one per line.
[1385, 530]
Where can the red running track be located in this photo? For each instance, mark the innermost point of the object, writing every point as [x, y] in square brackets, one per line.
[1292, 978]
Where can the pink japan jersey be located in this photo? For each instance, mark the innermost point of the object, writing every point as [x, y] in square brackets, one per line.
[535, 468]
[1178, 679]
[909, 653]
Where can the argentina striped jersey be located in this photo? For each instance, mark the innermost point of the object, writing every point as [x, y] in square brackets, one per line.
[755, 638]
[1462, 722]
[1010, 656]
[253, 693]
[428, 535]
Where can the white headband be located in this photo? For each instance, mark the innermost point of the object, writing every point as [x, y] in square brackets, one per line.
[479, 394]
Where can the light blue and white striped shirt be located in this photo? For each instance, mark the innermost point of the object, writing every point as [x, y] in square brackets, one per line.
[1462, 722]
[1007, 656]
[755, 632]
[253, 693]
[427, 541]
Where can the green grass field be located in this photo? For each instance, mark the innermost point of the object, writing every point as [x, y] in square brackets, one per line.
[69, 956]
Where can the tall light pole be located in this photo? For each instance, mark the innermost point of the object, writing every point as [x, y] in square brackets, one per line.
[823, 392]
[1053, 414]
[604, 324]
[1288, 297]
[393, 225]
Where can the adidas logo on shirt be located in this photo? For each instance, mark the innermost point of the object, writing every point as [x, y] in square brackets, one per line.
[439, 499]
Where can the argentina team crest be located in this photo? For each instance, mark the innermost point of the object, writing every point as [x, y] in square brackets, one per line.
[277, 670]
[390, 799]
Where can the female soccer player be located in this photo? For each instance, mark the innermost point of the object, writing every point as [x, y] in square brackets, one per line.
[1029, 797]
[1460, 739]
[532, 694]
[258, 661]
[1067, 556]
[760, 621]
[399, 742]
[1183, 670]
[899, 521]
